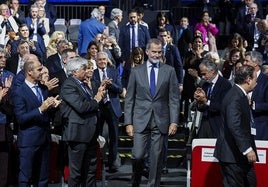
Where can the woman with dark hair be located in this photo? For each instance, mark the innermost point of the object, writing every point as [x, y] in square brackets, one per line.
[164, 20]
[136, 58]
[236, 41]
[191, 66]
[228, 68]
[208, 30]
[91, 54]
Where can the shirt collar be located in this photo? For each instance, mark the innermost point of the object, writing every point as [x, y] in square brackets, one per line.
[215, 79]
[31, 85]
[245, 93]
[149, 64]
[258, 73]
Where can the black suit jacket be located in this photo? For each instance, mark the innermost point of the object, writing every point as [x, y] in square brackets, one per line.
[53, 63]
[12, 64]
[185, 39]
[173, 58]
[61, 75]
[113, 90]
[221, 87]
[235, 132]
[79, 111]
[21, 17]
[51, 14]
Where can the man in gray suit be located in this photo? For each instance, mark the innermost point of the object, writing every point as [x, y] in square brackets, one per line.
[116, 16]
[79, 111]
[151, 111]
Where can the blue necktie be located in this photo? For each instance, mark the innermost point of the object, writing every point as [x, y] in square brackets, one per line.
[85, 88]
[38, 94]
[152, 79]
[133, 37]
[209, 91]
[106, 98]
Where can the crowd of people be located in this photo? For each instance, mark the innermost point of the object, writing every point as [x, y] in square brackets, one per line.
[50, 85]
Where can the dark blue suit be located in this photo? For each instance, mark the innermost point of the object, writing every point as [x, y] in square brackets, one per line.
[111, 111]
[260, 114]
[17, 80]
[38, 52]
[51, 14]
[40, 32]
[212, 112]
[33, 136]
[6, 114]
[173, 58]
[124, 40]
[53, 63]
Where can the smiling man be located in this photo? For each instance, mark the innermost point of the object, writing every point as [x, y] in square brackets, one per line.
[208, 99]
[151, 111]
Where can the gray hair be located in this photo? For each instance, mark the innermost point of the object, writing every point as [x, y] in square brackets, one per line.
[3, 51]
[209, 64]
[95, 13]
[75, 64]
[255, 56]
[103, 53]
[115, 13]
[153, 41]
[62, 41]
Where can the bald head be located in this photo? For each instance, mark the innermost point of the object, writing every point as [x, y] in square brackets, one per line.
[29, 57]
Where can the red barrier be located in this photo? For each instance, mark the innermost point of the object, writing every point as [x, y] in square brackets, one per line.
[205, 171]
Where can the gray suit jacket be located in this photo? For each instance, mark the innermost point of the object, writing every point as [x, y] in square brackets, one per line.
[79, 111]
[114, 30]
[140, 106]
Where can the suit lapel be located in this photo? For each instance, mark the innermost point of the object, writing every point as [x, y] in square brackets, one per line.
[83, 92]
[254, 92]
[160, 77]
[31, 94]
[144, 76]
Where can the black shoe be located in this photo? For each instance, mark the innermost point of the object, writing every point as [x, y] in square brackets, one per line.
[145, 173]
[164, 171]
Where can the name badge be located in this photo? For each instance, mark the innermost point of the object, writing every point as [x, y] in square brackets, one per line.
[253, 131]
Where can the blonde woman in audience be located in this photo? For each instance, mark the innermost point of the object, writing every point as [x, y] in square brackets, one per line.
[45, 21]
[52, 44]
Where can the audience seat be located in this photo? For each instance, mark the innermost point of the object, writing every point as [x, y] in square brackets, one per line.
[73, 29]
[61, 25]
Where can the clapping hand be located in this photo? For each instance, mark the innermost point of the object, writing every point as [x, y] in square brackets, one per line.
[8, 82]
[3, 92]
[52, 83]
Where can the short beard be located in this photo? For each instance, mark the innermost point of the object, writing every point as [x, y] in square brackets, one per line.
[154, 61]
